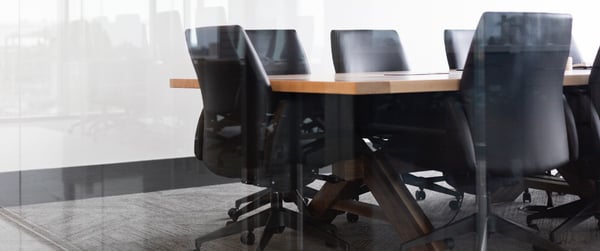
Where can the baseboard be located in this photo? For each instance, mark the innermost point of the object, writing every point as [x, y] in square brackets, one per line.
[71, 183]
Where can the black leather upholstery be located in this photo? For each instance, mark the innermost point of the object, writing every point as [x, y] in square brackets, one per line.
[583, 109]
[221, 60]
[594, 82]
[510, 113]
[512, 92]
[583, 101]
[377, 51]
[279, 51]
[367, 51]
[238, 106]
[247, 134]
[457, 43]
[405, 129]
[575, 53]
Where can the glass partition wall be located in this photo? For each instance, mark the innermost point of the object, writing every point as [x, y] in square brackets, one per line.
[99, 150]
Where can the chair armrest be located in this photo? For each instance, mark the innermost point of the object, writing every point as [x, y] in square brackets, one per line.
[595, 124]
[459, 132]
[571, 131]
[199, 138]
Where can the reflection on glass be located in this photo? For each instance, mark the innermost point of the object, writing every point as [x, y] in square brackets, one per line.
[86, 80]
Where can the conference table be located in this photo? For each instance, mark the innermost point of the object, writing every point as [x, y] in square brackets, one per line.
[396, 204]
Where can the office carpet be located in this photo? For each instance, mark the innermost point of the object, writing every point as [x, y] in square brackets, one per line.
[171, 220]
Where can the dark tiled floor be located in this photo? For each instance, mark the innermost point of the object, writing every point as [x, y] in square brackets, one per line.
[171, 220]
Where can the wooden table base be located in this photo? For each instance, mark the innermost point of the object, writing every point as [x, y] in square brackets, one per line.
[396, 204]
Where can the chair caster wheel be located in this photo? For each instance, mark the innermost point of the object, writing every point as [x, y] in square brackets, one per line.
[526, 197]
[420, 195]
[232, 213]
[247, 238]
[352, 218]
[453, 205]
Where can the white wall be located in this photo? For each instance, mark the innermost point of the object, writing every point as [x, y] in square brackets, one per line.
[86, 81]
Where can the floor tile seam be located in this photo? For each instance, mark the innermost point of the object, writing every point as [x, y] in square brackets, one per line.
[36, 231]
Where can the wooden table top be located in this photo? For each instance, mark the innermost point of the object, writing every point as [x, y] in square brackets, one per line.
[373, 82]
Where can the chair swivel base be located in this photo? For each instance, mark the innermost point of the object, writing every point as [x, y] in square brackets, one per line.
[537, 208]
[562, 211]
[579, 211]
[430, 183]
[275, 220]
[588, 211]
[496, 224]
[254, 201]
[257, 200]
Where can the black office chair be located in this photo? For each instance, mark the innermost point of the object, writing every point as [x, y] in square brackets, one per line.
[249, 135]
[575, 54]
[367, 51]
[387, 116]
[457, 43]
[510, 114]
[280, 52]
[585, 103]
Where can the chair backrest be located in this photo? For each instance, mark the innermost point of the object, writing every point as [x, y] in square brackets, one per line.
[575, 53]
[584, 101]
[237, 100]
[280, 51]
[366, 51]
[511, 90]
[593, 132]
[594, 81]
[457, 43]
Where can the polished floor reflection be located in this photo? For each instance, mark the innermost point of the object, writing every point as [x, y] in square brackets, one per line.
[171, 220]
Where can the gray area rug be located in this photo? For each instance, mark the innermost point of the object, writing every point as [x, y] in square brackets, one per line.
[171, 220]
